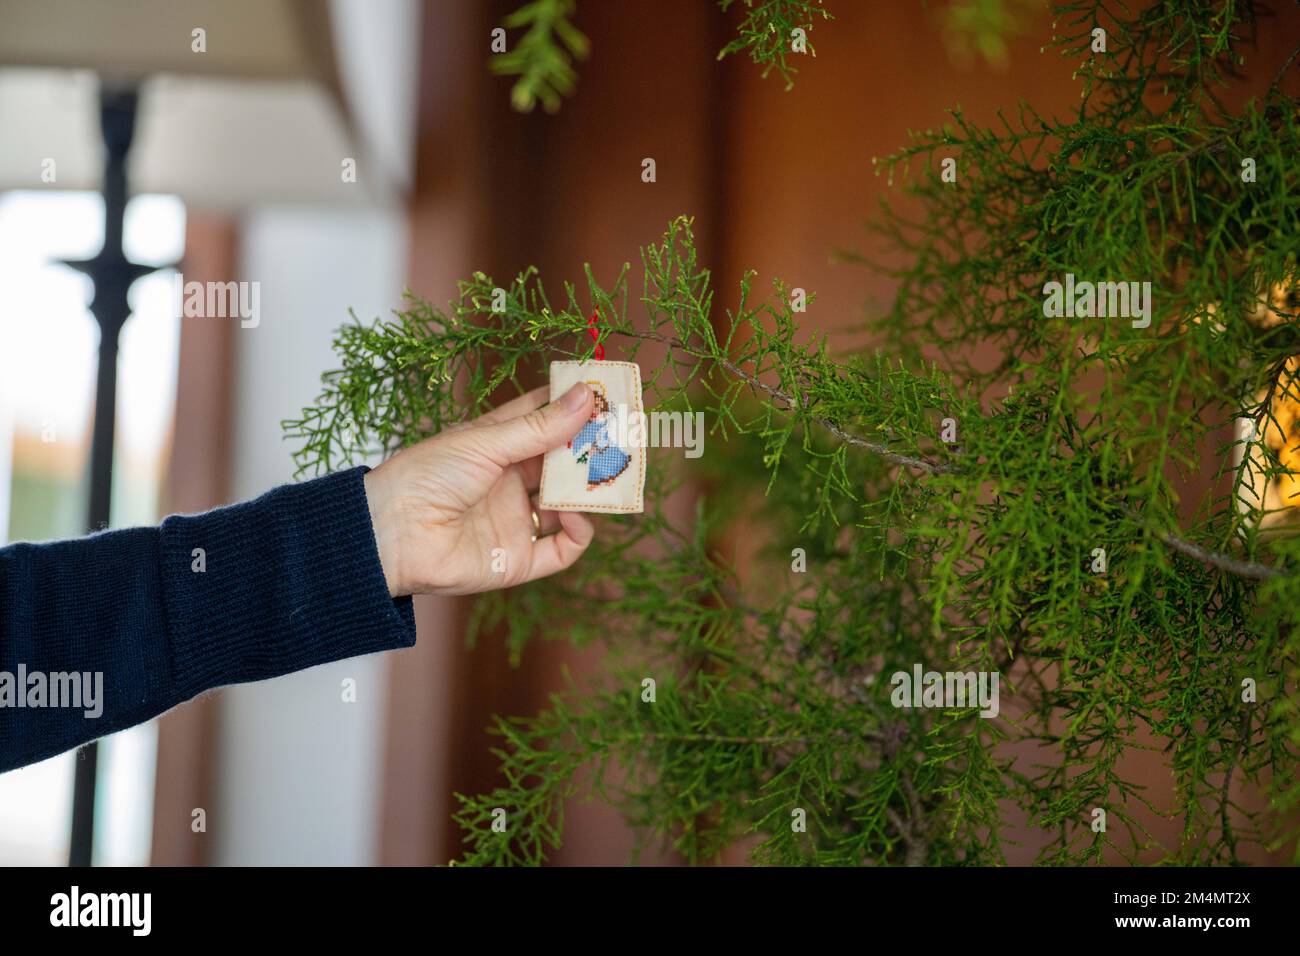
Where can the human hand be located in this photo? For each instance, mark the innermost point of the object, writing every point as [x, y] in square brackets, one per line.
[441, 508]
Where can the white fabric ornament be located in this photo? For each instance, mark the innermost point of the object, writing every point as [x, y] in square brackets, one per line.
[602, 468]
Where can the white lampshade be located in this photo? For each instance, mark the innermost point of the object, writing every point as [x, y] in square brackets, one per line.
[262, 116]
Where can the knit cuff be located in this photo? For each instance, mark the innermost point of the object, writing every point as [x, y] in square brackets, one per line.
[277, 584]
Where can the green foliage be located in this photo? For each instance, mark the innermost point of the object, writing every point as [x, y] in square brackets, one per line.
[766, 30]
[772, 688]
[980, 28]
[543, 57]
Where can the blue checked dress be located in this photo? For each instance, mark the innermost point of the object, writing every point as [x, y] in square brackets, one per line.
[605, 461]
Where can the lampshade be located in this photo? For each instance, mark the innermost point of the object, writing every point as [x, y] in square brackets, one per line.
[261, 114]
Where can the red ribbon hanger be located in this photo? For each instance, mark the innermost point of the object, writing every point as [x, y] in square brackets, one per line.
[595, 335]
[600, 349]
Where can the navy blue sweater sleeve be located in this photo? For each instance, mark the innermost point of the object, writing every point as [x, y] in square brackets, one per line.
[154, 616]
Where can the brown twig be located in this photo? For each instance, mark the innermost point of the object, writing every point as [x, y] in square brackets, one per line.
[1286, 65]
[1242, 569]
[917, 845]
[910, 461]
[1215, 559]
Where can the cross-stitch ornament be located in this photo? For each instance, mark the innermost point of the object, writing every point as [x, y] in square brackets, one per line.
[602, 468]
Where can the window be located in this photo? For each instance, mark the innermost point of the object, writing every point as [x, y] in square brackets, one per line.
[48, 342]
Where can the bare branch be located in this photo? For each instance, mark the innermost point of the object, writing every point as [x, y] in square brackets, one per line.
[1215, 559]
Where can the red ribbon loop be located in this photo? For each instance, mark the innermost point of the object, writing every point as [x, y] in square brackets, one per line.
[595, 335]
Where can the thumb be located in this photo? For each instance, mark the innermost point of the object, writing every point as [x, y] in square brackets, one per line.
[538, 431]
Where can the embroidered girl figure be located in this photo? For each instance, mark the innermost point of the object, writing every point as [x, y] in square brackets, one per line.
[592, 446]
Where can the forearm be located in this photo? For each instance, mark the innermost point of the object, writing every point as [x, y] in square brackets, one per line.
[155, 616]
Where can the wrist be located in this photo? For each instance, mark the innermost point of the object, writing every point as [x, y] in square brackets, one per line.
[380, 500]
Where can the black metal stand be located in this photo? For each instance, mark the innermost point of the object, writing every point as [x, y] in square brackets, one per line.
[112, 274]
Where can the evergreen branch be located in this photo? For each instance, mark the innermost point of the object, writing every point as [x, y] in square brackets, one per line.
[1282, 70]
[1023, 547]
[788, 403]
[1245, 569]
[981, 27]
[767, 31]
[543, 58]
[917, 847]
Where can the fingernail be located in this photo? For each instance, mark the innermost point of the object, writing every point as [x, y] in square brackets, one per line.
[574, 398]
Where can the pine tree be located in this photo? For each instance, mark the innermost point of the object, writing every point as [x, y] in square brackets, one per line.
[1073, 519]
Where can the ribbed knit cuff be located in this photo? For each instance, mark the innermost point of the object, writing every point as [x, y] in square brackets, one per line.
[277, 584]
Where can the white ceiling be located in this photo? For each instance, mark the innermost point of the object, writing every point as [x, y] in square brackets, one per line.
[328, 82]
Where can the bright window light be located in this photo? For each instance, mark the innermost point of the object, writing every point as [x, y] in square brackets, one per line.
[48, 342]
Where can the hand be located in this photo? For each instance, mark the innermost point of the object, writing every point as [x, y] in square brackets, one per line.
[441, 508]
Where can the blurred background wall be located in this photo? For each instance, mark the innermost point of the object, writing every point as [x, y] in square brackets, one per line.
[287, 771]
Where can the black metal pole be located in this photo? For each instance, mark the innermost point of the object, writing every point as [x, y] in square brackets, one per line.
[112, 274]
